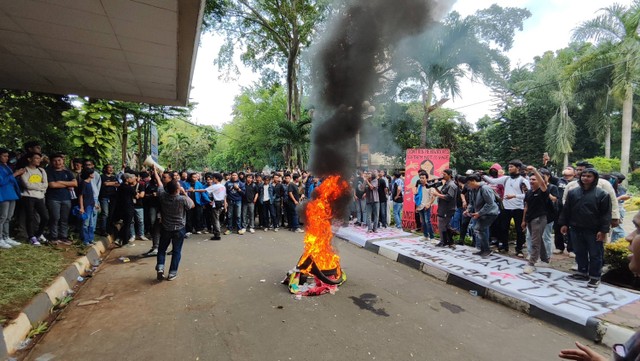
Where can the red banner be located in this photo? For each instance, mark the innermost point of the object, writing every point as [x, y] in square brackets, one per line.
[433, 161]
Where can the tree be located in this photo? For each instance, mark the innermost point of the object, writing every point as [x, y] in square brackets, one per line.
[618, 26]
[438, 58]
[93, 128]
[269, 32]
[34, 116]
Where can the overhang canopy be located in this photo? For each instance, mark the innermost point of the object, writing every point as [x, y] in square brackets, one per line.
[132, 50]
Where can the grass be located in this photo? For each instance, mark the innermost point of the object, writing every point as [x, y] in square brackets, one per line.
[25, 271]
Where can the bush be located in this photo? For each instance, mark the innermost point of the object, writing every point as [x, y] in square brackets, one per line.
[634, 178]
[605, 165]
[617, 254]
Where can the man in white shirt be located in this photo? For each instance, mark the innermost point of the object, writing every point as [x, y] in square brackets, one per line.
[218, 195]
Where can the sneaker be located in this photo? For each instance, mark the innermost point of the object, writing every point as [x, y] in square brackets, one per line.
[578, 277]
[205, 231]
[593, 283]
[186, 235]
[172, 276]
[572, 255]
[65, 242]
[275, 229]
[198, 232]
[42, 239]
[152, 252]
[4, 244]
[477, 253]
[131, 240]
[574, 267]
[519, 254]
[299, 230]
[251, 230]
[215, 238]
[528, 269]
[486, 254]
[441, 244]
[143, 238]
[242, 231]
[425, 239]
[227, 232]
[12, 242]
[558, 251]
[160, 274]
[542, 264]
[34, 241]
[266, 229]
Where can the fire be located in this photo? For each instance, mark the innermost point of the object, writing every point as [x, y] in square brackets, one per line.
[317, 241]
[319, 258]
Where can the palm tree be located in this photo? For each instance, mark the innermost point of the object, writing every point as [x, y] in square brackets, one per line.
[294, 139]
[617, 27]
[437, 59]
[177, 146]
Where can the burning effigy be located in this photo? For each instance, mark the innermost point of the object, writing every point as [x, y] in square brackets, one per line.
[319, 259]
[345, 66]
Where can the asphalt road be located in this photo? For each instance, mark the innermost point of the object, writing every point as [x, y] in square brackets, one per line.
[228, 304]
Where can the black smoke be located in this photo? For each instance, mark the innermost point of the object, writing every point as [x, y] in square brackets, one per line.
[345, 68]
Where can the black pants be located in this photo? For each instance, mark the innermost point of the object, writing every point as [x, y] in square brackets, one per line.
[125, 231]
[508, 215]
[278, 214]
[33, 206]
[464, 228]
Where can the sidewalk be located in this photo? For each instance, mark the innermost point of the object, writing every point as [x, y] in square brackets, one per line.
[609, 314]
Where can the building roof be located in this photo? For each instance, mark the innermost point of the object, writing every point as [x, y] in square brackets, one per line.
[132, 50]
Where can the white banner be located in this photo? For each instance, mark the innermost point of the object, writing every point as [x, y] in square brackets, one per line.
[546, 288]
[360, 236]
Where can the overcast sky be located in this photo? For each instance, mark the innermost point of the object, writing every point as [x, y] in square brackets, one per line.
[548, 28]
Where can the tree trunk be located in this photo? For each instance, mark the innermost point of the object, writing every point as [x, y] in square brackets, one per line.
[291, 74]
[125, 138]
[426, 103]
[139, 131]
[565, 162]
[627, 108]
[607, 141]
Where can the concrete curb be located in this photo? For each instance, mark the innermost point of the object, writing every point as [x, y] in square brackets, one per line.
[596, 329]
[39, 309]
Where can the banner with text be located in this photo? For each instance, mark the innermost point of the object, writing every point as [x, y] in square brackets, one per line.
[547, 288]
[432, 161]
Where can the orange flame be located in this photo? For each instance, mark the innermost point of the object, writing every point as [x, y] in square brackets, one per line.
[317, 240]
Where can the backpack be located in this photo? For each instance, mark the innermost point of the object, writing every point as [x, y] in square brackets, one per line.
[498, 200]
[394, 191]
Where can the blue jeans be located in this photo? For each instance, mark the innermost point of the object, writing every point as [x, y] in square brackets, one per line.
[58, 218]
[138, 219]
[619, 232]
[373, 210]
[457, 219]
[481, 232]
[234, 211]
[7, 208]
[361, 206]
[589, 252]
[248, 209]
[383, 214]
[425, 219]
[89, 225]
[105, 209]
[176, 239]
[397, 214]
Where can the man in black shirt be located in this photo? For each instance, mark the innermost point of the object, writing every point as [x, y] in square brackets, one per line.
[278, 197]
[249, 203]
[292, 201]
[536, 203]
[383, 189]
[106, 197]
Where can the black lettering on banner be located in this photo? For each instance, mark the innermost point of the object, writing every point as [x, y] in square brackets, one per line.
[500, 282]
[500, 268]
[576, 303]
[555, 286]
[540, 282]
[525, 291]
[601, 303]
[614, 295]
[474, 273]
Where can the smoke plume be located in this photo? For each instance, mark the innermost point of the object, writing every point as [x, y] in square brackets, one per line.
[345, 68]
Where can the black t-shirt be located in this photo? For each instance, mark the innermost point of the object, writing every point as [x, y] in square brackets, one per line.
[293, 188]
[108, 191]
[250, 192]
[151, 200]
[359, 187]
[139, 203]
[278, 192]
[536, 202]
[125, 196]
[59, 194]
[382, 189]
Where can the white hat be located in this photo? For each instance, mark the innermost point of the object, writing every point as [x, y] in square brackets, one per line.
[469, 172]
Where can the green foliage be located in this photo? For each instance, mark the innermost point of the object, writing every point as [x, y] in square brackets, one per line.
[605, 165]
[183, 145]
[634, 178]
[29, 116]
[92, 128]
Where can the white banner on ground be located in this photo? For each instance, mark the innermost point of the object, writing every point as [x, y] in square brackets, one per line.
[546, 288]
[360, 236]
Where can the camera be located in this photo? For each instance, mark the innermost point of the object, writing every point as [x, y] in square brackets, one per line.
[434, 183]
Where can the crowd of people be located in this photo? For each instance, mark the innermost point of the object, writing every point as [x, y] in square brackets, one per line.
[575, 213]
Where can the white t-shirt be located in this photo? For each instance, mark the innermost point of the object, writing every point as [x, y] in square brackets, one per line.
[217, 192]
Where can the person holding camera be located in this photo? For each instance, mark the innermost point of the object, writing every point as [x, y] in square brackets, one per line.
[447, 197]
[372, 197]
